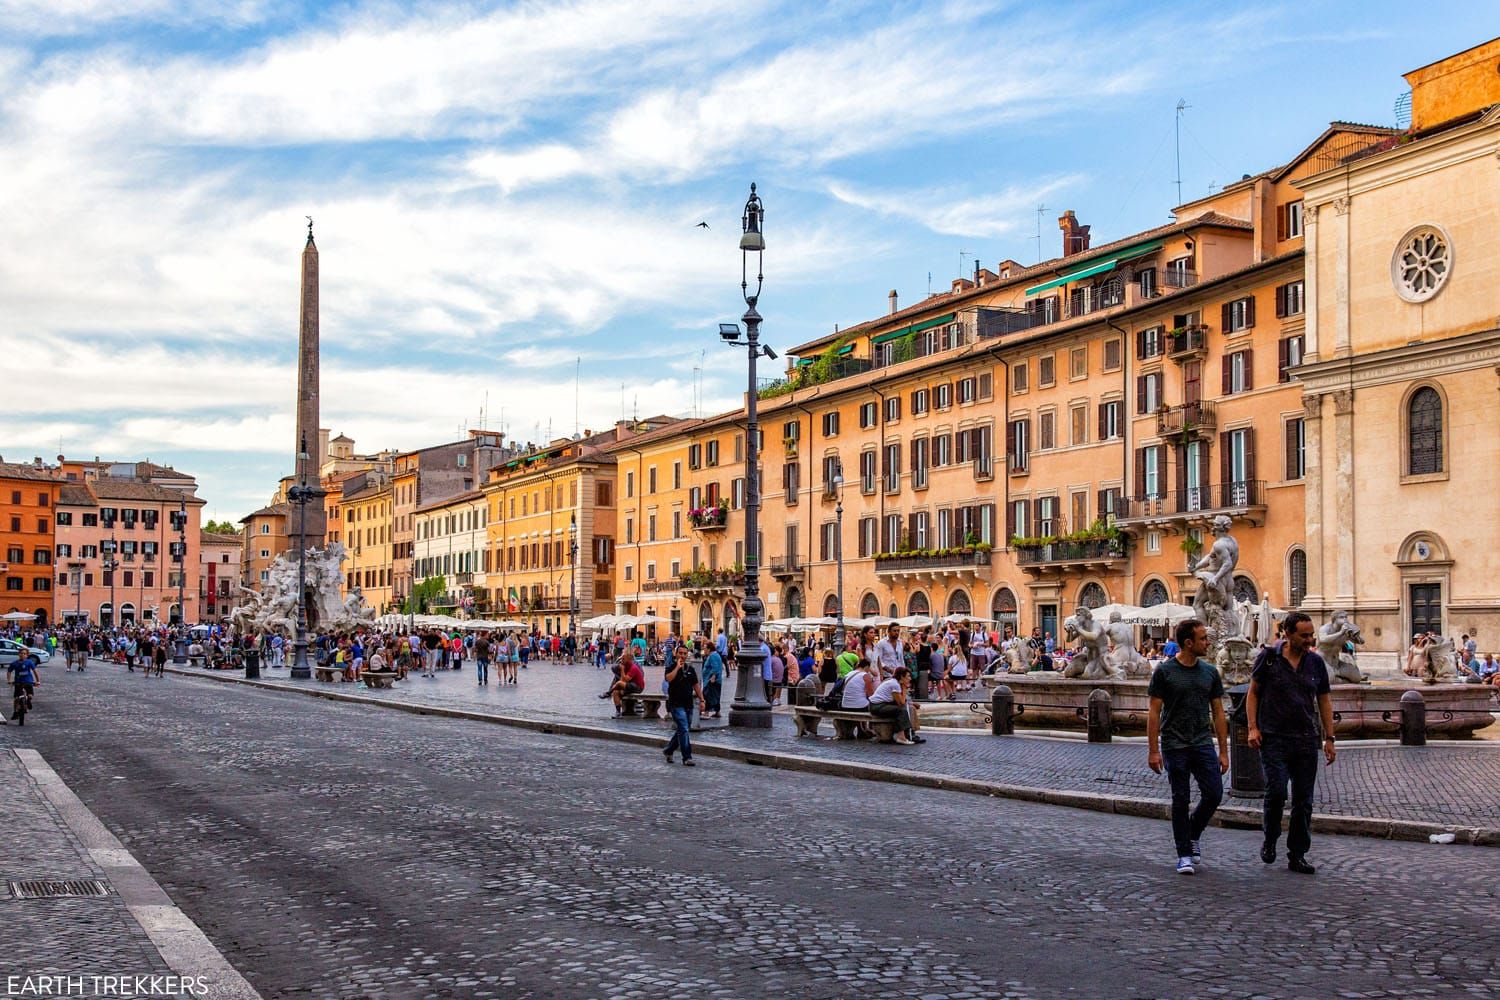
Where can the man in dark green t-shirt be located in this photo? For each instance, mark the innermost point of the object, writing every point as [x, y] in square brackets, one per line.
[1186, 695]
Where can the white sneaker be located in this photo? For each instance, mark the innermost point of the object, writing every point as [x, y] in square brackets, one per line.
[1197, 855]
[1185, 866]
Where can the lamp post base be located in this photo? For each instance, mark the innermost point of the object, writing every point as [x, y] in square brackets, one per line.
[300, 669]
[750, 716]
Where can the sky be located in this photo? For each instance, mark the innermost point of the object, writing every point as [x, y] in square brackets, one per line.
[507, 195]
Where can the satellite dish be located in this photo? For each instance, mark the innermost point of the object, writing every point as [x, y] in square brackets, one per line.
[1403, 111]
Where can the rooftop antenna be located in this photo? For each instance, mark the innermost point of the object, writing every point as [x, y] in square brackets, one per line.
[1040, 211]
[577, 381]
[929, 284]
[961, 255]
[1182, 105]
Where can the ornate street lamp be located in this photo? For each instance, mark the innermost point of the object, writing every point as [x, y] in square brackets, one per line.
[838, 551]
[750, 708]
[110, 546]
[179, 556]
[572, 588]
[302, 495]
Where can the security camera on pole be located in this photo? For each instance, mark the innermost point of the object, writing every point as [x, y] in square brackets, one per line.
[750, 708]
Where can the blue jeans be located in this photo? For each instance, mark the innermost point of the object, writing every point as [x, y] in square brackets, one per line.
[1296, 760]
[1200, 764]
[680, 735]
[483, 667]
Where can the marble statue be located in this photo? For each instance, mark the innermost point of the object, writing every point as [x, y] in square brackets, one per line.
[1215, 573]
[1331, 639]
[1124, 658]
[1020, 656]
[273, 608]
[1090, 661]
[1439, 664]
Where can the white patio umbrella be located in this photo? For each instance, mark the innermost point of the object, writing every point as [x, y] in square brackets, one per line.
[914, 621]
[18, 616]
[599, 621]
[879, 621]
[1102, 613]
[648, 620]
[955, 618]
[1168, 613]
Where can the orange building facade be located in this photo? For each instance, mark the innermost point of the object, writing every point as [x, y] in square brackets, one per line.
[28, 503]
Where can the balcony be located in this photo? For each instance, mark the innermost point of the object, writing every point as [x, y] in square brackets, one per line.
[1060, 555]
[710, 581]
[1177, 277]
[1187, 343]
[713, 518]
[815, 371]
[1194, 506]
[786, 568]
[968, 562]
[1191, 419]
[657, 586]
[463, 579]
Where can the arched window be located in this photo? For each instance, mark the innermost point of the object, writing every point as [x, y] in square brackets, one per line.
[1092, 596]
[1296, 571]
[1154, 593]
[869, 606]
[958, 603]
[1003, 606]
[917, 604]
[1245, 590]
[1424, 432]
[793, 602]
[831, 606]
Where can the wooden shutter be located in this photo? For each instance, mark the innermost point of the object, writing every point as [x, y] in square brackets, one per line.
[1010, 521]
[1283, 359]
[1226, 467]
[1250, 454]
[1281, 221]
[1027, 423]
[1225, 313]
[1101, 503]
[1140, 472]
[1280, 301]
[1140, 394]
[1291, 449]
[1101, 436]
[1140, 344]
[1010, 444]
[1224, 363]
[911, 529]
[1249, 311]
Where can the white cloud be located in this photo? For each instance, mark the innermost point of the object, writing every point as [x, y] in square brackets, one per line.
[948, 210]
[67, 17]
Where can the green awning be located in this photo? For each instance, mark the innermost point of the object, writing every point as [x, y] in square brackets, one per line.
[1102, 266]
[534, 458]
[804, 362]
[915, 328]
[513, 463]
[846, 349]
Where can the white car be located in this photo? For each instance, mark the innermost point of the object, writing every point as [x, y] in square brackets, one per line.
[10, 652]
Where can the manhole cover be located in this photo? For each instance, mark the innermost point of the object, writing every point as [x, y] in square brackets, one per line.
[48, 888]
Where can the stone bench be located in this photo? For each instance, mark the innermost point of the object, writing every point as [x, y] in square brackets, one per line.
[328, 673]
[378, 678]
[651, 704]
[846, 725]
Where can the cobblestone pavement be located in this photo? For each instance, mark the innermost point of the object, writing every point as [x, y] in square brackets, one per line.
[1444, 784]
[336, 850]
[67, 936]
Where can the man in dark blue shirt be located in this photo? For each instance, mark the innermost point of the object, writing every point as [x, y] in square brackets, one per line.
[1287, 705]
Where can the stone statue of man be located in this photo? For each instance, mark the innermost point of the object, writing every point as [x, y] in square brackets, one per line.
[1124, 658]
[1089, 663]
[1215, 572]
[1331, 639]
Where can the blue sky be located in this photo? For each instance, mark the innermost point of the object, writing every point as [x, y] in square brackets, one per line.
[501, 189]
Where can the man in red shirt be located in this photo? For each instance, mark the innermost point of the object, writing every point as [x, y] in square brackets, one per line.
[632, 680]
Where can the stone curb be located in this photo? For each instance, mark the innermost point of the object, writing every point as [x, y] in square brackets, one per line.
[182, 944]
[1228, 815]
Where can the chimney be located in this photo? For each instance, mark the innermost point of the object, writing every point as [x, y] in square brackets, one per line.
[1075, 237]
[894, 307]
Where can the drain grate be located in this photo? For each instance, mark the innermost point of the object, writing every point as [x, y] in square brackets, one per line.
[52, 887]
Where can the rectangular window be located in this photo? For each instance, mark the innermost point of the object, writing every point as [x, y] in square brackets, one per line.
[602, 496]
[918, 402]
[1149, 343]
[650, 527]
[1046, 371]
[893, 409]
[867, 472]
[695, 456]
[1112, 355]
[890, 536]
[892, 467]
[1146, 281]
[986, 385]
[1296, 448]
[1148, 393]
[1289, 220]
[1289, 299]
[1109, 504]
[1079, 509]
[921, 450]
[982, 451]
[651, 480]
[1290, 353]
[1109, 420]
[1046, 431]
[629, 492]
[64, 517]
[1153, 542]
[1019, 445]
[1238, 315]
[967, 390]
[866, 537]
[867, 415]
[1078, 420]
[676, 524]
[1237, 372]
[711, 454]
[1078, 363]
[676, 475]
[942, 451]
[942, 395]
[629, 537]
[1020, 377]
[1046, 517]
[736, 494]
[91, 520]
[629, 572]
[791, 475]
[1153, 482]
[831, 424]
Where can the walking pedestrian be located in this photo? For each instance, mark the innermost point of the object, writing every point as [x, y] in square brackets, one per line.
[482, 658]
[1288, 703]
[683, 692]
[713, 683]
[1185, 691]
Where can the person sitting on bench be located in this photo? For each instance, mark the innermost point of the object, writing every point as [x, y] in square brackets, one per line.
[632, 681]
[889, 701]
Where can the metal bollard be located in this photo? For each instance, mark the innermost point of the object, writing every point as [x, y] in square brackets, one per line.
[1247, 779]
[1413, 719]
[1002, 711]
[252, 664]
[924, 677]
[1100, 711]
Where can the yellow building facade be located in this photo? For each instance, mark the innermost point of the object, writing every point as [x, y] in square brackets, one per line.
[367, 538]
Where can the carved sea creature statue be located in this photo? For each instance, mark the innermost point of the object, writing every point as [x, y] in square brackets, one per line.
[1090, 661]
[1439, 666]
[1124, 657]
[1020, 656]
[1332, 638]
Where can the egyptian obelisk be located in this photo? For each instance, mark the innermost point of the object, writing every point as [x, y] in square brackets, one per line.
[306, 445]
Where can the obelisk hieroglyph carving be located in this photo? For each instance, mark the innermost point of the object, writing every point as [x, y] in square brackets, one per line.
[307, 400]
